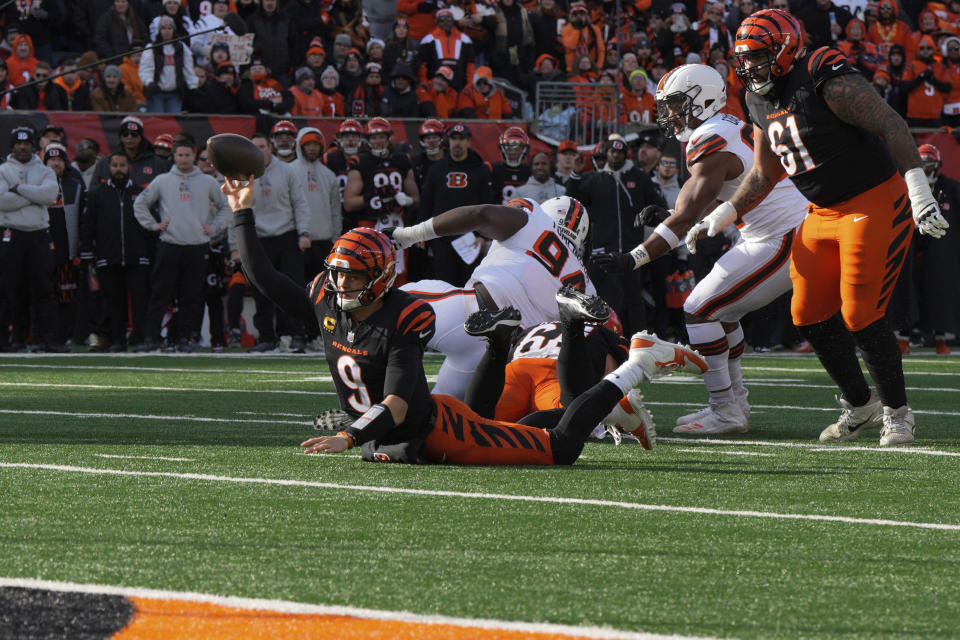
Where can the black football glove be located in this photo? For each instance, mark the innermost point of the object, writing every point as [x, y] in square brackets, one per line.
[615, 262]
[651, 216]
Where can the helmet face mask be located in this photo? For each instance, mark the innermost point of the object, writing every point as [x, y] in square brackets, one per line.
[379, 133]
[514, 145]
[369, 257]
[686, 97]
[349, 135]
[431, 137]
[767, 46]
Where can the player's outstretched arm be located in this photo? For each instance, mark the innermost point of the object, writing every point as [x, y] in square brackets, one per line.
[698, 193]
[256, 265]
[855, 102]
[493, 221]
[372, 425]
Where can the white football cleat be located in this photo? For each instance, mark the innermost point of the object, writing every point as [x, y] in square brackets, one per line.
[633, 417]
[853, 420]
[717, 419]
[659, 358]
[741, 401]
[898, 426]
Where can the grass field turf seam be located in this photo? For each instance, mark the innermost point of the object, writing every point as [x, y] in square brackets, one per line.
[688, 573]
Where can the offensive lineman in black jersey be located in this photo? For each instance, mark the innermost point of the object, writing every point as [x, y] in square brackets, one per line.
[374, 337]
[817, 120]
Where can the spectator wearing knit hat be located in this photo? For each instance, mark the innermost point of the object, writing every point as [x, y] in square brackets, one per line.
[220, 52]
[112, 96]
[341, 46]
[375, 51]
[333, 102]
[222, 86]
[438, 98]
[579, 35]
[144, 163]
[367, 100]
[260, 93]
[924, 73]
[446, 46]
[483, 100]
[307, 101]
[636, 104]
[316, 60]
[167, 71]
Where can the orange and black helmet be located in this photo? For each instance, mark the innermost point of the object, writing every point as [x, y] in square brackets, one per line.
[767, 46]
[514, 144]
[362, 251]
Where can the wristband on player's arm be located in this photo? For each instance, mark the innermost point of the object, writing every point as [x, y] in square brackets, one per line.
[372, 425]
[242, 217]
[667, 234]
[409, 236]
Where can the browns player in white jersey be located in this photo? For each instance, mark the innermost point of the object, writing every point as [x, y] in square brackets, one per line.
[753, 273]
[535, 251]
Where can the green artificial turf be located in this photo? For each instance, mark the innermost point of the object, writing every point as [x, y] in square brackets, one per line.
[483, 556]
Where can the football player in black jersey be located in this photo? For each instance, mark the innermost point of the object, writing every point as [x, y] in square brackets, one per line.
[512, 172]
[374, 337]
[349, 139]
[431, 145]
[380, 182]
[817, 120]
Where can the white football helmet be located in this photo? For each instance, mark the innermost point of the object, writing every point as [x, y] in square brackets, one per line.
[571, 219]
[689, 92]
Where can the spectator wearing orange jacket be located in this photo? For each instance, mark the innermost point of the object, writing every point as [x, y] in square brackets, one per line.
[951, 67]
[483, 100]
[928, 25]
[437, 98]
[130, 72]
[861, 54]
[637, 105]
[888, 30]
[22, 63]
[580, 37]
[446, 46]
[419, 16]
[307, 101]
[927, 86]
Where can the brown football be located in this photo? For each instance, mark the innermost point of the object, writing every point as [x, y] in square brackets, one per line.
[234, 156]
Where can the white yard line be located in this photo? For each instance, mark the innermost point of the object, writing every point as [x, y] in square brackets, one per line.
[113, 387]
[285, 606]
[809, 446]
[487, 496]
[140, 416]
[928, 412]
[110, 455]
[748, 367]
[724, 453]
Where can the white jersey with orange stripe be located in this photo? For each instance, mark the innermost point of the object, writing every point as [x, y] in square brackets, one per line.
[782, 210]
[526, 270]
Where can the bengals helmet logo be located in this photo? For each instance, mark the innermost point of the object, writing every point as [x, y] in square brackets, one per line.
[456, 180]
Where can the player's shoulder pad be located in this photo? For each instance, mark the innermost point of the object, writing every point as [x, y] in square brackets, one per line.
[826, 62]
[353, 163]
[416, 317]
[706, 140]
[316, 288]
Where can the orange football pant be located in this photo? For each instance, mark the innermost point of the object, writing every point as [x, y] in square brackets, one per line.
[530, 384]
[460, 436]
[847, 257]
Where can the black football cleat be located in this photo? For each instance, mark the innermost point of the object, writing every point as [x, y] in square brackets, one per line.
[497, 326]
[575, 305]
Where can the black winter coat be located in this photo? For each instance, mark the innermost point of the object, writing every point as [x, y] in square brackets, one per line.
[219, 99]
[109, 231]
[400, 105]
[441, 190]
[611, 220]
[272, 37]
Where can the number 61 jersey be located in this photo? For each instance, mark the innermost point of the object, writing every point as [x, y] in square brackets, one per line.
[526, 270]
[828, 160]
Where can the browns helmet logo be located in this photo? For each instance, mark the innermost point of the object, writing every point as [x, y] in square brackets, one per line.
[457, 180]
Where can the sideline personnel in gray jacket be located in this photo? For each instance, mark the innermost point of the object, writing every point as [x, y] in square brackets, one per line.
[192, 210]
[27, 188]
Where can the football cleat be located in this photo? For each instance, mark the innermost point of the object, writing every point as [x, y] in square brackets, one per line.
[898, 426]
[632, 416]
[332, 420]
[716, 419]
[497, 326]
[853, 420]
[575, 305]
[659, 358]
[740, 399]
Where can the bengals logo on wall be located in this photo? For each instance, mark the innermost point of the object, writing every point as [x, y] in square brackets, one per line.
[457, 180]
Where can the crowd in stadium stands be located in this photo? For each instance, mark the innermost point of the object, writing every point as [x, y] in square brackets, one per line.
[120, 231]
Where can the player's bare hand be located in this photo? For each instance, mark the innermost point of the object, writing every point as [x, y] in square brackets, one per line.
[239, 193]
[326, 444]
